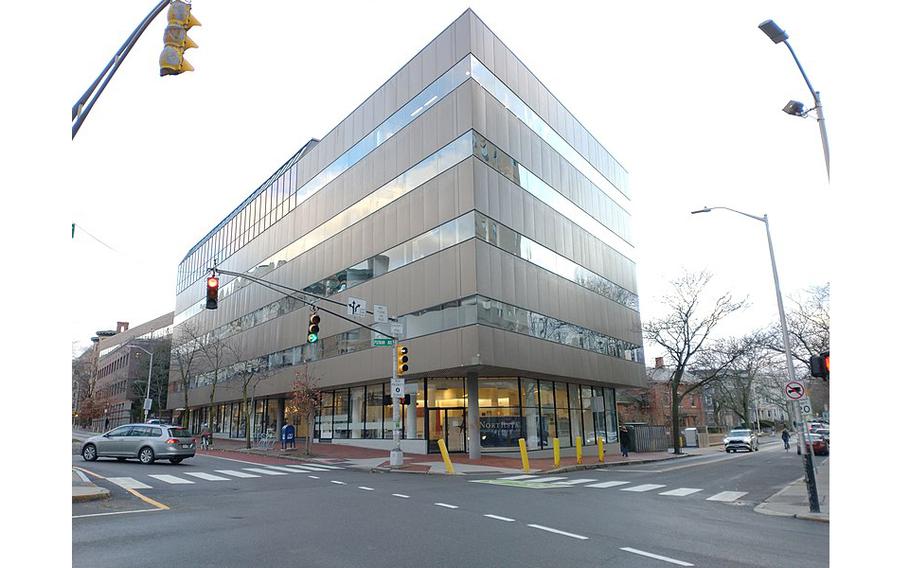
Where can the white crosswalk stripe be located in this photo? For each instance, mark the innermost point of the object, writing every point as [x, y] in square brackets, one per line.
[307, 467]
[172, 479]
[644, 487]
[604, 484]
[285, 469]
[128, 483]
[263, 471]
[575, 481]
[549, 479]
[324, 465]
[726, 496]
[240, 474]
[206, 476]
[681, 492]
[518, 477]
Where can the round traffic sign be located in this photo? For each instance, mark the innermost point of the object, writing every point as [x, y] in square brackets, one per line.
[795, 390]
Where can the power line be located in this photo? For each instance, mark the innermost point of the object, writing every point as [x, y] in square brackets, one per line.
[81, 228]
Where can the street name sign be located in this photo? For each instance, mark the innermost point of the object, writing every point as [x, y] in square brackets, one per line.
[357, 307]
[382, 341]
[795, 390]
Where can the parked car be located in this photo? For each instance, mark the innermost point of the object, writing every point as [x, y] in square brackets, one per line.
[145, 442]
[819, 445]
[741, 439]
[155, 421]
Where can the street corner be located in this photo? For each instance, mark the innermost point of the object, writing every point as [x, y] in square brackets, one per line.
[84, 490]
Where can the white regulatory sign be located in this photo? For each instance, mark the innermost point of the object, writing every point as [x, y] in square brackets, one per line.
[147, 404]
[805, 407]
[357, 307]
[397, 387]
[380, 313]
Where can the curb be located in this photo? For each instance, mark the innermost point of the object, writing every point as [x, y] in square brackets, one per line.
[764, 508]
[98, 495]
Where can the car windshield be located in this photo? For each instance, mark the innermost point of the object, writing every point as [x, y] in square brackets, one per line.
[179, 433]
[740, 432]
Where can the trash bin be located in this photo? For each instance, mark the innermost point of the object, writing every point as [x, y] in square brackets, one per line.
[691, 436]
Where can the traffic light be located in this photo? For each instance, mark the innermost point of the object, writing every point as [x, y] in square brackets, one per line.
[179, 20]
[211, 293]
[407, 400]
[820, 365]
[401, 356]
[313, 330]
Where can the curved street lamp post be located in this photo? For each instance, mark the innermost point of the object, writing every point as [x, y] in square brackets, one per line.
[808, 462]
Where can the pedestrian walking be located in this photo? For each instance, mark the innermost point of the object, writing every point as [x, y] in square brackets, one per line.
[624, 440]
[206, 436]
[785, 436]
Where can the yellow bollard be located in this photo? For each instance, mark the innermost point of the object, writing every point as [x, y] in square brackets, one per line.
[600, 450]
[578, 449]
[445, 457]
[555, 452]
[523, 446]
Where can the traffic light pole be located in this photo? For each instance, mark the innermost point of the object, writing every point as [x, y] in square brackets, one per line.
[81, 109]
[396, 456]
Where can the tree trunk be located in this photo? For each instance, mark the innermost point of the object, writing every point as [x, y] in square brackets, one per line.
[311, 424]
[249, 417]
[674, 410]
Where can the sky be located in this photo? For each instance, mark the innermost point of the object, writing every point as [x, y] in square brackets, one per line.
[687, 97]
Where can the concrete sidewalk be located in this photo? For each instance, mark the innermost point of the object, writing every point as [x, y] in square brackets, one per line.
[85, 490]
[793, 500]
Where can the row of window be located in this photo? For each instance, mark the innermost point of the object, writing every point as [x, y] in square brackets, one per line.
[471, 143]
[115, 365]
[281, 197]
[442, 86]
[450, 315]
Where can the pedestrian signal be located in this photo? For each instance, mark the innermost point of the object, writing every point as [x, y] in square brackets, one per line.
[211, 293]
[179, 20]
[820, 365]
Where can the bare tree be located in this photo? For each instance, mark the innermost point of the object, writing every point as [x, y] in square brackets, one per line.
[304, 401]
[219, 354]
[185, 360]
[683, 334]
[808, 321]
[736, 387]
[249, 374]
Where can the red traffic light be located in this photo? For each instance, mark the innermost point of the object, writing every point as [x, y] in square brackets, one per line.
[212, 282]
[211, 293]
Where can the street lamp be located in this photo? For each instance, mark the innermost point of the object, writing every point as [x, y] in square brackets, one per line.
[148, 385]
[807, 455]
[795, 108]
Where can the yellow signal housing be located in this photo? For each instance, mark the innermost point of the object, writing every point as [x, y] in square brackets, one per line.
[401, 359]
[176, 41]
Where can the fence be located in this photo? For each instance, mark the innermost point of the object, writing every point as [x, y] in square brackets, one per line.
[649, 438]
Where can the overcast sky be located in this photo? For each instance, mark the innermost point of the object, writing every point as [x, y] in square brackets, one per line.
[686, 96]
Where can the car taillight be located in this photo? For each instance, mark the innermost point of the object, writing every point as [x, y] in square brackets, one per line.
[173, 441]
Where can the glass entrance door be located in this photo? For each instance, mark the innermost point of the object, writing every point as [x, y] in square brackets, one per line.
[447, 424]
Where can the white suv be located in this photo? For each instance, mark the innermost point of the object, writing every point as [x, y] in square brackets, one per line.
[741, 439]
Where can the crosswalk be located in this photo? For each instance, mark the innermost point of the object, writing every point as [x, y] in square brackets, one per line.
[193, 477]
[539, 482]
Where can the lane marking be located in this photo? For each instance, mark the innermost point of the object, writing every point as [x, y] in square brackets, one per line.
[446, 505]
[313, 476]
[128, 483]
[681, 492]
[402, 496]
[365, 488]
[234, 460]
[518, 477]
[206, 476]
[240, 474]
[152, 502]
[263, 471]
[307, 467]
[498, 518]
[607, 484]
[726, 496]
[576, 481]
[549, 479]
[644, 487]
[557, 531]
[325, 466]
[117, 513]
[656, 556]
[286, 469]
[172, 479]
[81, 475]
[339, 482]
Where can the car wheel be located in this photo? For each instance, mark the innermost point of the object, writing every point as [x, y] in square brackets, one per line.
[729, 450]
[175, 461]
[146, 455]
[89, 453]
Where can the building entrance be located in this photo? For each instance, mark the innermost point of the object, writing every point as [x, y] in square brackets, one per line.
[447, 424]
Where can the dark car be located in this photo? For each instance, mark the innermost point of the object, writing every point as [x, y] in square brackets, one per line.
[145, 442]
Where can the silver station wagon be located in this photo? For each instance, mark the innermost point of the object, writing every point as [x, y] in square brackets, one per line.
[145, 442]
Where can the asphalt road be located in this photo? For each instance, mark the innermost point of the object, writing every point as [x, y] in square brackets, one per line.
[342, 517]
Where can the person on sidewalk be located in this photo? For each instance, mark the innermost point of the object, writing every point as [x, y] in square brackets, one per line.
[624, 441]
[206, 436]
[785, 436]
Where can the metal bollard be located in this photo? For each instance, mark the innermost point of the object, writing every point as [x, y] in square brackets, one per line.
[555, 452]
[578, 450]
[523, 446]
[600, 450]
[445, 457]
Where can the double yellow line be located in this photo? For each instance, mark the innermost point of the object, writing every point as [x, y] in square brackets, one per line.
[148, 500]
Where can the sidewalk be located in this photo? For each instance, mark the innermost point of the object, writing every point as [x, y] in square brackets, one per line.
[793, 500]
[378, 460]
[85, 490]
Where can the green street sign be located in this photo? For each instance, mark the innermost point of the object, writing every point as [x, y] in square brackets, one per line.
[382, 342]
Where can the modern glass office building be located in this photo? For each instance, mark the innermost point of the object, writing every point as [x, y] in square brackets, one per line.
[467, 199]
